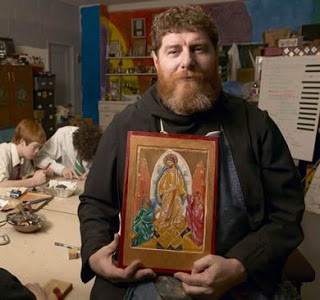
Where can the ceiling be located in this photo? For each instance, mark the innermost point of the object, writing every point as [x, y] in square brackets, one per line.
[107, 2]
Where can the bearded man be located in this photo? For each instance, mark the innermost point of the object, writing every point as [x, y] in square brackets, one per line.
[260, 198]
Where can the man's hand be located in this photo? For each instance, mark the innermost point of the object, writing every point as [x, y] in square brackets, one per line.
[212, 276]
[68, 173]
[102, 264]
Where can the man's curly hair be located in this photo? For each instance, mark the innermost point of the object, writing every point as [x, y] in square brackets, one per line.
[179, 19]
[86, 140]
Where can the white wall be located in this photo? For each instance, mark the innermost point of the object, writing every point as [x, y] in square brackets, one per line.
[35, 23]
[159, 4]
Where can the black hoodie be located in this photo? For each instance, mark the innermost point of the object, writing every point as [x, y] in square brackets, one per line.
[268, 179]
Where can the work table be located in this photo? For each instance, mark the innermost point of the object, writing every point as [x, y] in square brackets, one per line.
[33, 257]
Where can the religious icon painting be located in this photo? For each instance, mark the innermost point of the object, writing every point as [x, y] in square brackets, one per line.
[169, 200]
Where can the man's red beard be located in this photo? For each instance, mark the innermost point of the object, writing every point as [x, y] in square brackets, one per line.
[188, 92]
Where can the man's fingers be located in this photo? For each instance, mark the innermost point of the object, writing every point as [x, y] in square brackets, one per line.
[135, 272]
[203, 263]
[130, 270]
[182, 276]
[191, 280]
[145, 274]
[113, 246]
[197, 290]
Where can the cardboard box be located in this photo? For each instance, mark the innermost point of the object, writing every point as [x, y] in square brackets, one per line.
[273, 51]
[316, 42]
[271, 37]
[293, 42]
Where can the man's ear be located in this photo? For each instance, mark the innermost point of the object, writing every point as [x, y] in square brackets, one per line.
[155, 59]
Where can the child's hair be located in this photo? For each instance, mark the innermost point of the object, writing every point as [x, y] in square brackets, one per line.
[29, 131]
[86, 140]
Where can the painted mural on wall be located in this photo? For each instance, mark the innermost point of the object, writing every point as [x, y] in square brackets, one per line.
[236, 21]
[129, 33]
[271, 14]
[232, 20]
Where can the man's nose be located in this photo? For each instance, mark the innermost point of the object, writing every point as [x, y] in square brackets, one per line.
[187, 59]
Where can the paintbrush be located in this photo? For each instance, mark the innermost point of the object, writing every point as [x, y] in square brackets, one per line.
[36, 201]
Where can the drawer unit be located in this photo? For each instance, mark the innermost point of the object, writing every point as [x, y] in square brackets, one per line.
[43, 100]
[108, 109]
[105, 119]
[51, 81]
[40, 83]
[44, 82]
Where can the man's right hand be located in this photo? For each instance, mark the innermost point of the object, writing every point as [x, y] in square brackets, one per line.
[102, 264]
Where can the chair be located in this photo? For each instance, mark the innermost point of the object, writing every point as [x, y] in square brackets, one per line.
[298, 269]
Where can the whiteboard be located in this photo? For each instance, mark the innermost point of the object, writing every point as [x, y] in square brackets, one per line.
[290, 92]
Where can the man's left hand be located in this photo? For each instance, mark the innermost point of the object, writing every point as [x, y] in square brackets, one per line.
[212, 276]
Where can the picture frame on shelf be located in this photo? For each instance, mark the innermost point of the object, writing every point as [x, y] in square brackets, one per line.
[138, 26]
[168, 216]
[139, 47]
[114, 49]
[115, 90]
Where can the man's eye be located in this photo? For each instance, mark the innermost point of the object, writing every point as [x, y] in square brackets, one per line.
[199, 49]
[172, 52]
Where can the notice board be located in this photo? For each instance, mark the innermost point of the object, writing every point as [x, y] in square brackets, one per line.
[290, 92]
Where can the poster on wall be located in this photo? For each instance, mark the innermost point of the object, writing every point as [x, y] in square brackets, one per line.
[289, 91]
[139, 47]
[138, 28]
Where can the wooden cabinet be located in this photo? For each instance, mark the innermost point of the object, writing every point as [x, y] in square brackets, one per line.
[4, 97]
[16, 94]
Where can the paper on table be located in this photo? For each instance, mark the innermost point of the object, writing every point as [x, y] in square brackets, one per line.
[3, 203]
[5, 191]
[312, 197]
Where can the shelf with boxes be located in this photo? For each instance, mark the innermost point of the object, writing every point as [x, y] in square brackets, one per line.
[120, 68]
[44, 104]
[129, 75]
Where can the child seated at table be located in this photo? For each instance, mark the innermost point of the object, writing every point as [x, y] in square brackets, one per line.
[16, 166]
[12, 288]
[70, 151]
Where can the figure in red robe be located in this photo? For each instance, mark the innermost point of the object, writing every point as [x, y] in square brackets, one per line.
[195, 217]
[199, 181]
